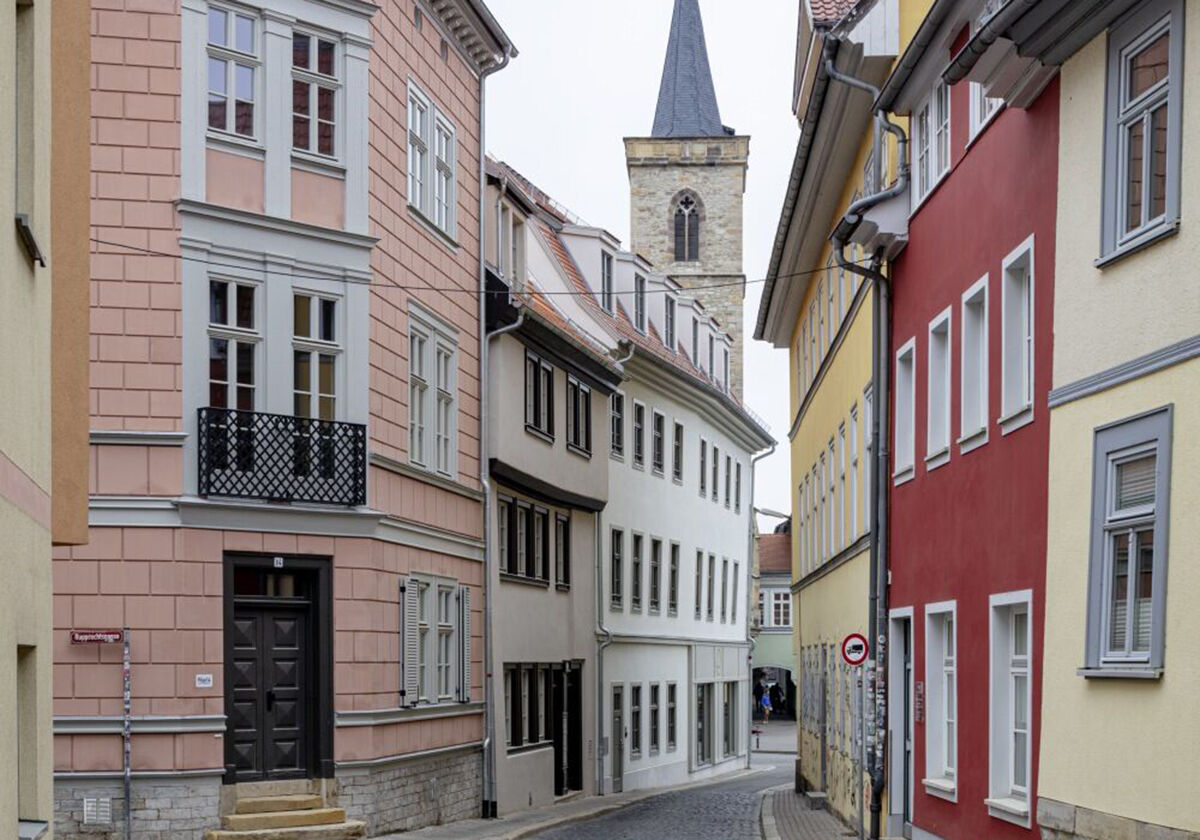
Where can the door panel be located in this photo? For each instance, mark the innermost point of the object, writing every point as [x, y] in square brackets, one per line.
[286, 706]
[246, 710]
[618, 739]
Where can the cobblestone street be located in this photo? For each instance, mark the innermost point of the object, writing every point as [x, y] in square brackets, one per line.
[722, 811]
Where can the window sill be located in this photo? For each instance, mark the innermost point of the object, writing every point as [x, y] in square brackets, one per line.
[636, 608]
[617, 456]
[1143, 240]
[672, 613]
[1118, 672]
[616, 606]
[563, 587]
[654, 611]
[936, 459]
[678, 479]
[657, 471]
[639, 465]
[234, 143]
[586, 454]
[527, 581]
[1009, 423]
[318, 164]
[538, 433]
[1009, 809]
[941, 788]
[973, 440]
[428, 223]
[903, 475]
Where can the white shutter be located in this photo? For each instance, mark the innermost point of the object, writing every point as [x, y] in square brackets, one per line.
[464, 644]
[410, 607]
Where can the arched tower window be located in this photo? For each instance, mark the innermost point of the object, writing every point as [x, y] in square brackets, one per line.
[687, 215]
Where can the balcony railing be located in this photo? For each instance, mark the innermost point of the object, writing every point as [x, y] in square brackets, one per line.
[278, 457]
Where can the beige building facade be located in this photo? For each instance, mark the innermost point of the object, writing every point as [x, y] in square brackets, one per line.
[43, 434]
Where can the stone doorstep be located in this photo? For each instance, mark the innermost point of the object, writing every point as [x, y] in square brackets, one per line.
[275, 804]
[291, 818]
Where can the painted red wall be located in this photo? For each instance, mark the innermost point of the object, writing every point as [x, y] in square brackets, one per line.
[977, 525]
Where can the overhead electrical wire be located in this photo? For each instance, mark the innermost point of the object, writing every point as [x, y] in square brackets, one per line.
[149, 252]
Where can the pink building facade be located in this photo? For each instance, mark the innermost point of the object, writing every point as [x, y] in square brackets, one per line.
[286, 506]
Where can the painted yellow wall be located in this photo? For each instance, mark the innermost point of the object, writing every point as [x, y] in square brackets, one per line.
[1125, 747]
[1103, 317]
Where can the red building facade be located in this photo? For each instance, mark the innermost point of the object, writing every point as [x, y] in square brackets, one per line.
[971, 342]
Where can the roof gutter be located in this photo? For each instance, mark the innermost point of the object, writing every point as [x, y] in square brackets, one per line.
[880, 340]
[994, 28]
[912, 54]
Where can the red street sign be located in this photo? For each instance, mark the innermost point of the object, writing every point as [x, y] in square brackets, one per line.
[97, 637]
[854, 649]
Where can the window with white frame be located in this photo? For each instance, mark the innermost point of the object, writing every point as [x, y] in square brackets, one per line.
[712, 576]
[831, 302]
[606, 281]
[703, 467]
[937, 421]
[673, 581]
[781, 608]
[579, 416]
[671, 698]
[436, 615]
[1011, 704]
[822, 505]
[725, 368]
[711, 346]
[511, 253]
[724, 588]
[905, 407]
[1143, 125]
[1016, 360]
[639, 302]
[315, 358]
[639, 434]
[852, 497]
[616, 413]
[431, 161]
[814, 359]
[734, 597]
[1128, 563]
[617, 568]
[941, 692]
[635, 721]
[973, 408]
[658, 442]
[654, 718]
[669, 323]
[233, 342]
[737, 487]
[539, 395]
[677, 452]
[655, 575]
[315, 88]
[868, 454]
[696, 342]
[983, 107]
[931, 141]
[699, 582]
[728, 478]
[635, 572]
[831, 509]
[562, 550]
[433, 390]
[233, 65]
[842, 501]
[716, 472]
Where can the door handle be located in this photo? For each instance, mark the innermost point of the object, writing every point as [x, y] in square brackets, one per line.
[270, 699]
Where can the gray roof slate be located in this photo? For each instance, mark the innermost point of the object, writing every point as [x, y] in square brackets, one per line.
[687, 102]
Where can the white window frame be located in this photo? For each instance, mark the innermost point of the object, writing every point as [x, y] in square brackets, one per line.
[669, 312]
[639, 303]
[606, 282]
[423, 193]
[932, 143]
[616, 422]
[984, 109]
[1007, 800]
[440, 413]
[316, 81]
[232, 58]
[941, 693]
[781, 609]
[974, 362]
[658, 442]
[937, 389]
[852, 498]
[905, 425]
[1017, 337]
[1125, 40]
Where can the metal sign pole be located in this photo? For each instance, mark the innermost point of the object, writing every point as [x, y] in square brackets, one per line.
[126, 733]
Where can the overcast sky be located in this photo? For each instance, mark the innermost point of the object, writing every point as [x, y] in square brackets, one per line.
[587, 76]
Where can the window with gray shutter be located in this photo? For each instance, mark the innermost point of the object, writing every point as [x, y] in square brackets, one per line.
[464, 644]
[410, 608]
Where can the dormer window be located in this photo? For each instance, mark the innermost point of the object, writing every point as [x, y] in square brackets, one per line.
[639, 302]
[687, 229]
[669, 324]
[606, 281]
[512, 246]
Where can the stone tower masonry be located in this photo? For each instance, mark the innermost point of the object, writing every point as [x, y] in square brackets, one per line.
[689, 153]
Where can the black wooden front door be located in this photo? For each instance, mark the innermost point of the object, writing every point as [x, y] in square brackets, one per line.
[269, 703]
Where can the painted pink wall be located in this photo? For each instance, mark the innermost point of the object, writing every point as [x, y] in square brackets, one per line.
[234, 180]
[977, 525]
[318, 199]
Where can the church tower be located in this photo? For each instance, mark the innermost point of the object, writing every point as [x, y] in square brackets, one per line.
[686, 183]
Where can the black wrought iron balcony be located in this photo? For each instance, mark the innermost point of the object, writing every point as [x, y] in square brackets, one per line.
[278, 457]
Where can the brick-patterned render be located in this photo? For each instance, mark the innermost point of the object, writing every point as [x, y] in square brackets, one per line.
[242, 250]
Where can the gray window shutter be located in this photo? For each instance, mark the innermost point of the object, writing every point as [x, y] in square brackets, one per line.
[410, 611]
[464, 644]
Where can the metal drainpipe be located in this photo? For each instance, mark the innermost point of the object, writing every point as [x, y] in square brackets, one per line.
[749, 587]
[601, 630]
[880, 339]
[489, 775]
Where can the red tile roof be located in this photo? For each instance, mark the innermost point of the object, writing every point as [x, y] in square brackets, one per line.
[774, 553]
[829, 12]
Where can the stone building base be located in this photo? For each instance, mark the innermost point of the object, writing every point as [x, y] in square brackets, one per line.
[164, 808]
[1064, 821]
[412, 793]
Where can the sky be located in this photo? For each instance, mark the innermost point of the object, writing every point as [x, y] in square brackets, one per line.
[587, 76]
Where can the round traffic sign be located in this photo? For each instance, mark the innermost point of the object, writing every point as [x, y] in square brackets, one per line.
[854, 649]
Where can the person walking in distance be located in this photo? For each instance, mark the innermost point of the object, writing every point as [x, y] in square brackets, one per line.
[766, 706]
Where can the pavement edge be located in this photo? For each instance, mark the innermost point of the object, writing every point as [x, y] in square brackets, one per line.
[766, 813]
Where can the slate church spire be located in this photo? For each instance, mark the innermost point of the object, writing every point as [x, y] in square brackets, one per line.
[687, 101]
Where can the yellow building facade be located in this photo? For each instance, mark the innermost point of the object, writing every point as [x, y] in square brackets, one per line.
[822, 314]
[1119, 725]
[44, 345]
